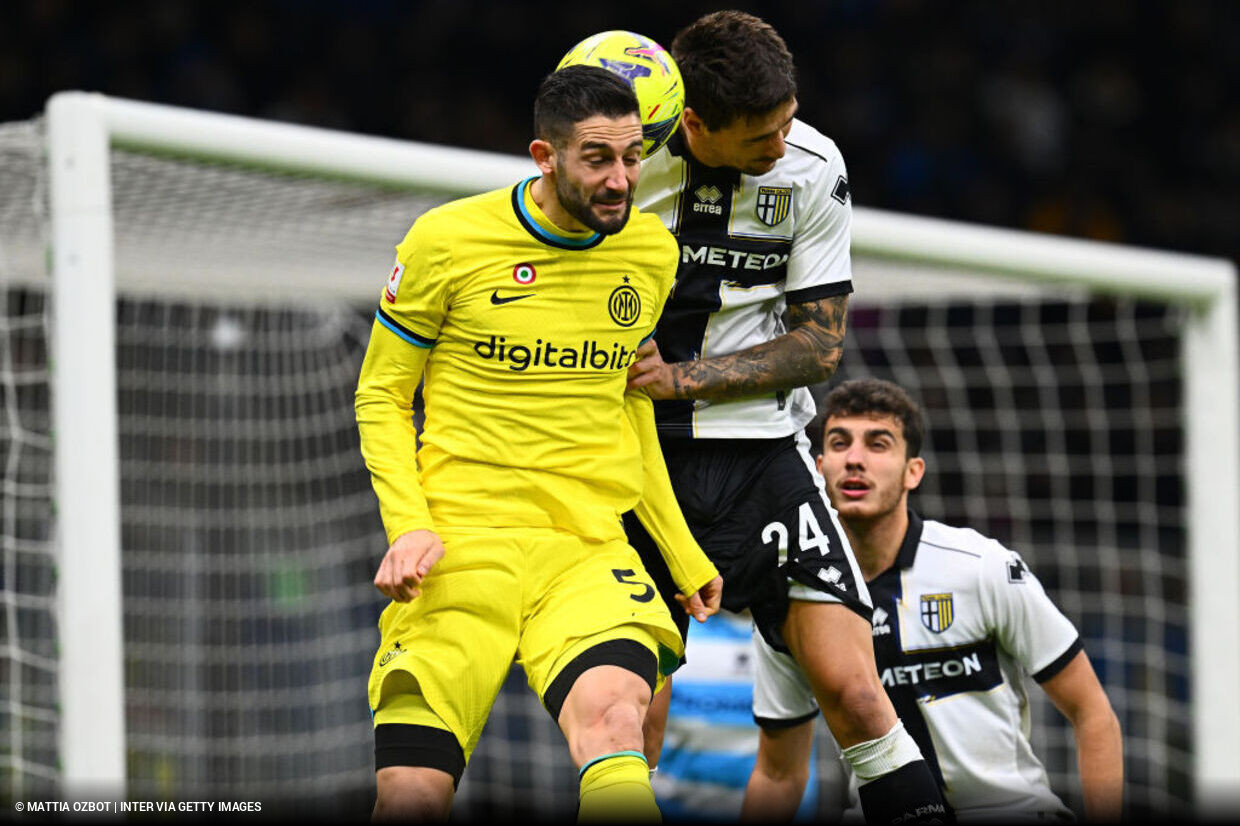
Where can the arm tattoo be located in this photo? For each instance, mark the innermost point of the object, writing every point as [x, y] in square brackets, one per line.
[807, 354]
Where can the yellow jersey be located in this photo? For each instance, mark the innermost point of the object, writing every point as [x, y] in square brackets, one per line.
[525, 332]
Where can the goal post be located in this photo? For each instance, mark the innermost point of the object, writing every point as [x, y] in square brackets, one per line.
[1207, 286]
[82, 129]
[87, 468]
[349, 197]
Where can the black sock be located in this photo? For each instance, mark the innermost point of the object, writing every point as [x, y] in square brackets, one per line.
[906, 795]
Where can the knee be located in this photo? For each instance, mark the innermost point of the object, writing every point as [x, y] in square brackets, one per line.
[609, 725]
[407, 793]
[406, 808]
[862, 696]
[859, 708]
[618, 717]
[603, 712]
[784, 754]
[782, 773]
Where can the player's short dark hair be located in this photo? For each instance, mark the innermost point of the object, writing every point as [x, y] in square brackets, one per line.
[570, 95]
[876, 397]
[733, 65]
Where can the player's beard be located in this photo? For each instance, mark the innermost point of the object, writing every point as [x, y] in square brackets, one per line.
[579, 204]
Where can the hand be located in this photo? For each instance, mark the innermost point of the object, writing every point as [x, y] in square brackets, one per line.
[407, 563]
[652, 374]
[705, 601]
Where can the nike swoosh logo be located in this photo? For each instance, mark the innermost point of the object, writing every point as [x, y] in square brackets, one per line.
[497, 299]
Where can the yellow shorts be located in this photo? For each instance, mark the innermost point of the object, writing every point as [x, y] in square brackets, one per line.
[541, 597]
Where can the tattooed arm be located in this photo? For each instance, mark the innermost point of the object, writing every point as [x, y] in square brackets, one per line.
[806, 354]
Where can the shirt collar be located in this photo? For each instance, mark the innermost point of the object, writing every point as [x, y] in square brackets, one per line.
[912, 538]
[679, 148]
[540, 226]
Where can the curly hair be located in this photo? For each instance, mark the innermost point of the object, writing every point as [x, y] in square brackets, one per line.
[876, 397]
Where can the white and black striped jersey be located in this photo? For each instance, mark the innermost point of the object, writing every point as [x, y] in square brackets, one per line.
[748, 247]
[959, 620]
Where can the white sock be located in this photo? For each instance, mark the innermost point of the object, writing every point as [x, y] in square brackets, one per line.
[874, 758]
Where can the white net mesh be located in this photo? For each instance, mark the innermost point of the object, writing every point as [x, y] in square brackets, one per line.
[250, 532]
[28, 667]
[1056, 425]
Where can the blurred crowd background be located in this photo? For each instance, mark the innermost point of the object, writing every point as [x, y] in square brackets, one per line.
[1107, 119]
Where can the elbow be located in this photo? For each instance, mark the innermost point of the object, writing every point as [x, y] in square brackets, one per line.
[831, 360]
[1110, 724]
[822, 353]
[363, 402]
[371, 405]
[1098, 723]
[821, 366]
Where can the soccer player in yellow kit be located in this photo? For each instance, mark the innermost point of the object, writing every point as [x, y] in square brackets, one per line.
[523, 309]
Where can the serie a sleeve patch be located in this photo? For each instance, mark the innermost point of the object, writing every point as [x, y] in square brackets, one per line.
[393, 282]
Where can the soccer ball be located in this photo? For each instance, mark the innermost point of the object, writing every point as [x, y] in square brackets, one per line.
[649, 69]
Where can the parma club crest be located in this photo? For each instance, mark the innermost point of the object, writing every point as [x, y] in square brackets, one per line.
[774, 204]
[937, 612]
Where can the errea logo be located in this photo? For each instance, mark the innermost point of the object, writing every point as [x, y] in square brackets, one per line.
[708, 200]
[880, 622]
[709, 194]
[833, 576]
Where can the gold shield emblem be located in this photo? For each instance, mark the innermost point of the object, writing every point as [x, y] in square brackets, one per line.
[937, 612]
[774, 204]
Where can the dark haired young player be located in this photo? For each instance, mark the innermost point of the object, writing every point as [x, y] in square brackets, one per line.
[959, 621]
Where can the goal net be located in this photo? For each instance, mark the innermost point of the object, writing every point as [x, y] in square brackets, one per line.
[189, 535]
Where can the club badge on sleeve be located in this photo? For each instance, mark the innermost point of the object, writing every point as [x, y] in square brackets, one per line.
[393, 282]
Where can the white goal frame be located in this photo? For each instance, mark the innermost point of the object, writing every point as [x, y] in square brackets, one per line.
[81, 129]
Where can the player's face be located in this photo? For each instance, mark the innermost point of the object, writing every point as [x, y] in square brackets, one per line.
[596, 172]
[752, 145]
[866, 466]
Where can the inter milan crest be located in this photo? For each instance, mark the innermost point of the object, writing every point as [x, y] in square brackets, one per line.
[937, 612]
[774, 204]
[624, 305]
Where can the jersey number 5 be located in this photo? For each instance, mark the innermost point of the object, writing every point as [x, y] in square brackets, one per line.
[647, 592]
